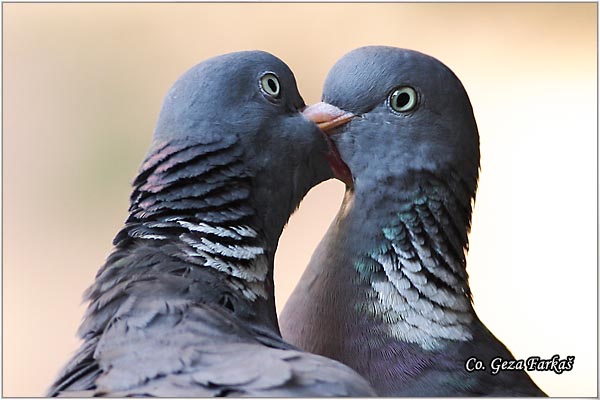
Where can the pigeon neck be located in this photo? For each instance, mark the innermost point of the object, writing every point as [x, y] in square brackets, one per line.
[199, 199]
[414, 267]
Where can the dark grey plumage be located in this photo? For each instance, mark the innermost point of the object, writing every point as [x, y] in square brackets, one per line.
[184, 305]
[386, 291]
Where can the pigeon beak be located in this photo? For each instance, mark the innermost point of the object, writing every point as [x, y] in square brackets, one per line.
[327, 116]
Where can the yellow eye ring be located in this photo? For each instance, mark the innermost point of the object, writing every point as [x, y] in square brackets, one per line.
[403, 99]
[269, 84]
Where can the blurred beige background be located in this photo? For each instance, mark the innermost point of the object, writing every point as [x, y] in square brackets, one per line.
[83, 84]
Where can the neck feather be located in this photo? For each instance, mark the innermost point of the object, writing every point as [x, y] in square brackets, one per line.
[198, 197]
[416, 269]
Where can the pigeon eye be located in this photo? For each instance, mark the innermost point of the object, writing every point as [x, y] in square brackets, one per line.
[269, 84]
[403, 99]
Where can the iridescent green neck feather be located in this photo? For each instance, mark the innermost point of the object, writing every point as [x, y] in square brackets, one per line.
[416, 269]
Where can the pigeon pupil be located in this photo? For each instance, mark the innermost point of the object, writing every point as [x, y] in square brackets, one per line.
[272, 85]
[402, 100]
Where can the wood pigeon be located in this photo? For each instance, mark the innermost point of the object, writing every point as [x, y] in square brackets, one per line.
[184, 305]
[387, 290]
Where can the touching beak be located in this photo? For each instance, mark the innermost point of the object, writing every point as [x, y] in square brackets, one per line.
[327, 116]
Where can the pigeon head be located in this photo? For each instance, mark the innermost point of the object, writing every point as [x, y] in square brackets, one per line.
[234, 122]
[413, 115]
[250, 97]
[230, 94]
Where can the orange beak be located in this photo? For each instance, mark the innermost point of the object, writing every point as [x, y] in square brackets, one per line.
[327, 116]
